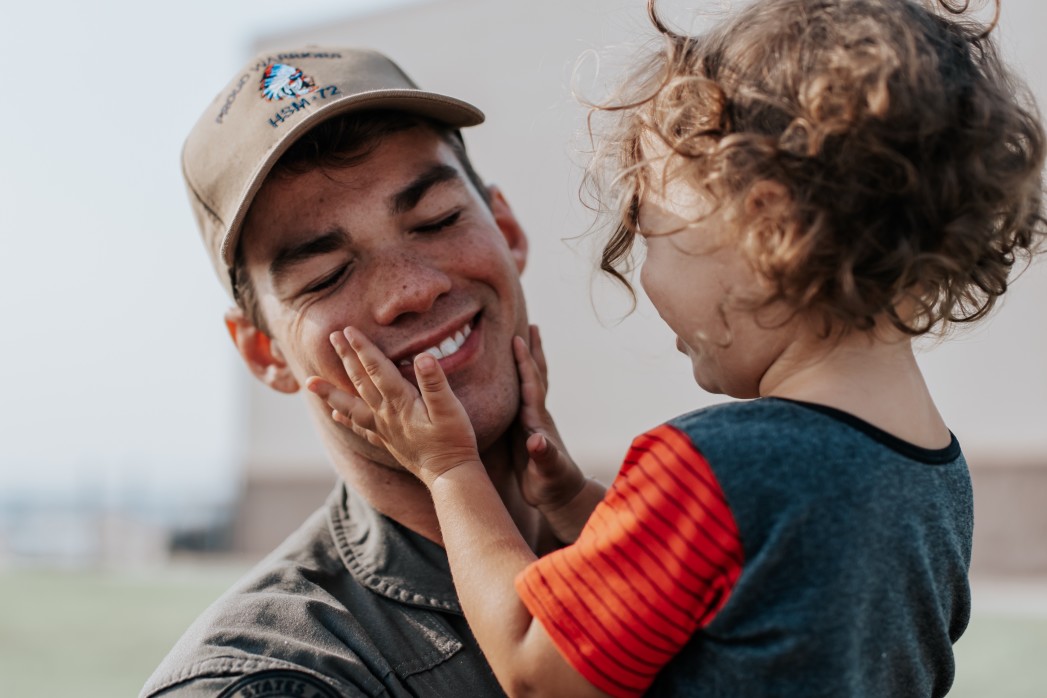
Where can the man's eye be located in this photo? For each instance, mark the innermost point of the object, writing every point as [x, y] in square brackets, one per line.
[440, 224]
[327, 281]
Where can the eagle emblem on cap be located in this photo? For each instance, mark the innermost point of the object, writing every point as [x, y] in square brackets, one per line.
[280, 81]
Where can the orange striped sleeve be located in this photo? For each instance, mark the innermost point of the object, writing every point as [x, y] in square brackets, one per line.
[655, 562]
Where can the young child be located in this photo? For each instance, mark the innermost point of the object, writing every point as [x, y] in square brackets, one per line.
[816, 183]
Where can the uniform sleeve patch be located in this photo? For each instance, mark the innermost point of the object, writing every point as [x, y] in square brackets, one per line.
[279, 683]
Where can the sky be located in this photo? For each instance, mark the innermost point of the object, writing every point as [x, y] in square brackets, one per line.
[111, 314]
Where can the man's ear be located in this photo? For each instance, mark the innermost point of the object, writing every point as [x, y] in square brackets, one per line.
[260, 354]
[509, 226]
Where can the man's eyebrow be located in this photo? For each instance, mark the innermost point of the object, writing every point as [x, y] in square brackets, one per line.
[408, 197]
[289, 256]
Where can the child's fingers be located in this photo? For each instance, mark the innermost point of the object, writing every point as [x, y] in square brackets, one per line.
[322, 386]
[436, 392]
[544, 454]
[354, 369]
[537, 445]
[362, 425]
[347, 409]
[538, 353]
[383, 374]
[369, 434]
[532, 387]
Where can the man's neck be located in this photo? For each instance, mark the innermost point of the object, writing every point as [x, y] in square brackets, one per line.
[402, 497]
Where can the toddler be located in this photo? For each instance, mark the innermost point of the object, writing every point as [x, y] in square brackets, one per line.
[815, 183]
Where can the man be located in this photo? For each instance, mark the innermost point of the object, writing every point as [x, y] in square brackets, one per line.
[331, 191]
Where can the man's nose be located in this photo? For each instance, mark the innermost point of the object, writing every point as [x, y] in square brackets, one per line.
[403, 286]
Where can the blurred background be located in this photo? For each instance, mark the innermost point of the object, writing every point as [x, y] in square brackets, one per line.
[142, 470]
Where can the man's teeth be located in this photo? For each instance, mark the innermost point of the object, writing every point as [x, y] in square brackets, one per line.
[447, 347]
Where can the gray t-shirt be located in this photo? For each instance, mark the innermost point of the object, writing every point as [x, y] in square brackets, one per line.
[352, 604]
[856, 550]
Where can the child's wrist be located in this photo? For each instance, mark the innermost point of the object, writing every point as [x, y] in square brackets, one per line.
[447, 476]
[563, 504]
[568, 520]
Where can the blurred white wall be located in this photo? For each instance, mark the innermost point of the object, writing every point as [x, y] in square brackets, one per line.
[121, 398]
[119, 389]
[609, 381]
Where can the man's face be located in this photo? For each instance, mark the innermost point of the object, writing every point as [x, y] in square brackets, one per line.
[402, 247]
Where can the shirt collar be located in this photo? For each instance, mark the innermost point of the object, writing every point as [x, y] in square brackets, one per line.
[389, 558]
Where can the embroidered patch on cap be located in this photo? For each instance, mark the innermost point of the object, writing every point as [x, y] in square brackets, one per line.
[279, 683]
[282, 81]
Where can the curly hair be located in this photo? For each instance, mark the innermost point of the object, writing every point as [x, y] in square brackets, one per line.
[911, 158]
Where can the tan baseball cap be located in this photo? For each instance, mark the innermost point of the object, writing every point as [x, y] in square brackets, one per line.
[271, 103]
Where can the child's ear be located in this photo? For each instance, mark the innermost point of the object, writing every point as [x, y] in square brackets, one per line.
[260, 353]
[766, 197]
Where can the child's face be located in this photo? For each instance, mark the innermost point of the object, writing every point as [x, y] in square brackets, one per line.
[694, 275]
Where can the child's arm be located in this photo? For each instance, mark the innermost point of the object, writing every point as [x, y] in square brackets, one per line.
[550, 481]
[428, 431]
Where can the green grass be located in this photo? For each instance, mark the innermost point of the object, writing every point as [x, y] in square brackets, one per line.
[101, 634]
[1002, 657]
[95, 633]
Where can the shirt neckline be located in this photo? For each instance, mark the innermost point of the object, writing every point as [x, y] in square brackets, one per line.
[929, 456]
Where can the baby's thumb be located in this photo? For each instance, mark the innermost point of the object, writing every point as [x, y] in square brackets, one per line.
[543, 453]
[433, 385]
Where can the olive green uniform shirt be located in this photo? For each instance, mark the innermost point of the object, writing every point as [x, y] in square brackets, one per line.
[352, 604]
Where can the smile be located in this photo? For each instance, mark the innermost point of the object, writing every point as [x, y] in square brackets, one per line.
[446, 347]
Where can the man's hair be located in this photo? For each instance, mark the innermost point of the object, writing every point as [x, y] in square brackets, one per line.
[340, 143]
[910, 157]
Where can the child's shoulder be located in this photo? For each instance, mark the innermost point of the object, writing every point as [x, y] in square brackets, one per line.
[774, 438]
[753, 435]
[741, 420]
[772, 442]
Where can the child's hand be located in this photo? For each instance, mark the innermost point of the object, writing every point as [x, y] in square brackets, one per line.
[551, 481]
[426, 429]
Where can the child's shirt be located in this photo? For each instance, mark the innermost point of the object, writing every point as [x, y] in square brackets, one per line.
[770, 548]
